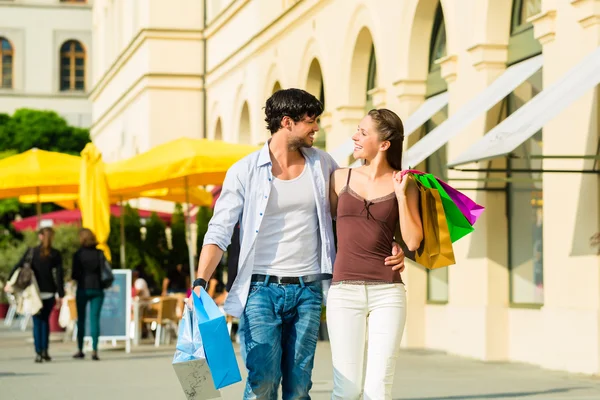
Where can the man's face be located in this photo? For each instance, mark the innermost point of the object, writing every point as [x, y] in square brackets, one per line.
[302, 133]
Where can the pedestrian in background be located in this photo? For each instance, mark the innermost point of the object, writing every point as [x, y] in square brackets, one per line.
[46, 263]
[87, 262]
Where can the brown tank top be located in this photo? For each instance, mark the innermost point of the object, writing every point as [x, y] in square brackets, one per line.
[365, 232]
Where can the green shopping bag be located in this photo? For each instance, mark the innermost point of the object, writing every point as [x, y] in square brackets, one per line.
[458, 225]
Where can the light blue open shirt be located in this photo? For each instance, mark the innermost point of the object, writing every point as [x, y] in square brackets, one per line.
[244, 197]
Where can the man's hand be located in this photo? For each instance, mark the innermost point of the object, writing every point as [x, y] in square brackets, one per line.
[396, 260]
[190, 300]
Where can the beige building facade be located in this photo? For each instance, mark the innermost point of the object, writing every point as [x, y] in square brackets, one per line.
[526, 285]
[45, 49]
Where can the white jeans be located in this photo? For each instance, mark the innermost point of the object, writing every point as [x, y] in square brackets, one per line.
[355, 313]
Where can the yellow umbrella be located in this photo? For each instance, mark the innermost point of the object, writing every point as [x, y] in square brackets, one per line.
[94, 201]
[183, 163]
[195, 162]
[197, 196]
[38, 172]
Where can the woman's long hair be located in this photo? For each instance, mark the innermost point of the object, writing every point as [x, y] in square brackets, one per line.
[390, 128]
[47, 234]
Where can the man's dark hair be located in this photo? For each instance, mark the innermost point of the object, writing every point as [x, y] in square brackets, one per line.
[293, 103]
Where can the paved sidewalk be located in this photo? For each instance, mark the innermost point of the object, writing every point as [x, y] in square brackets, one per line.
[147, 374]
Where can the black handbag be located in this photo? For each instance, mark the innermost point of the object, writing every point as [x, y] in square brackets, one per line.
[25, 276]
[106, 274]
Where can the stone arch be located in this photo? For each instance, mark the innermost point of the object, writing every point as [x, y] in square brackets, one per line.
[492, 22]
[218, 132]
[359, 68]
[244, 128]
[273, 78]
[276, 87]
[415, 36]
[312, 54]
[358, 50]
[214, 116]
[315, 83]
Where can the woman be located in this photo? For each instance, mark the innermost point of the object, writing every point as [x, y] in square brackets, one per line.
[367, 299]
[46, 263]
[87, 262]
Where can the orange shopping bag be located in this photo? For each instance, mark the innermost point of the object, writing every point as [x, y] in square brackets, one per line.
[436, 248]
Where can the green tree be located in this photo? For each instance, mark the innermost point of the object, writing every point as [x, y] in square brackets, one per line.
[202, 219]
[179, 247]
[133, 239]
[155, 248]
[45, 130]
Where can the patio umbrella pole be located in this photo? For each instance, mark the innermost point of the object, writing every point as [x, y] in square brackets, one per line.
[189, 231]
[122, 233]
[38, 207]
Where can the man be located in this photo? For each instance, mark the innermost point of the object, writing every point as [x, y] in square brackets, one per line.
[280, 195]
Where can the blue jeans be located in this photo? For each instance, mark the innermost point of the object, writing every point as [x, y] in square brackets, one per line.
[41, 326]
[278, 333]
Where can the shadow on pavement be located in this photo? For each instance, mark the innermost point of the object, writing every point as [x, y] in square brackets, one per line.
[496, 395]
[18, 374]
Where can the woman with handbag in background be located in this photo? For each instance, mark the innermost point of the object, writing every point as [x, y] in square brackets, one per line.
[87, 271]
[46, 264]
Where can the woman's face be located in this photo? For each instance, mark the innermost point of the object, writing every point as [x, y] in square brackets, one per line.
[366, 140]
[47, 235]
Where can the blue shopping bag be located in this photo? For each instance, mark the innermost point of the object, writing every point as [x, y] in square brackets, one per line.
[189, 361]
[216, 341]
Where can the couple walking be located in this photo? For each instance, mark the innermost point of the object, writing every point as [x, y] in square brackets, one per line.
[284, 197]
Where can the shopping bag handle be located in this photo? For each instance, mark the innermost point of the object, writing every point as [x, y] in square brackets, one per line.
[410, 171]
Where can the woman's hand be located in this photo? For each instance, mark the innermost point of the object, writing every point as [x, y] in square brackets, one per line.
[400, 184]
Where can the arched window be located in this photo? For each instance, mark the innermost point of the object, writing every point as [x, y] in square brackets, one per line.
[371, 79]
[72, 66]
[437, 280]
[6, 64]
[245, 136]
[437, 49]
[219, 130]
[522, 44]
[525, 192]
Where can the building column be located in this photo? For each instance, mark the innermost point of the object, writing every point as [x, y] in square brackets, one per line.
[341, 125]
[477, 309]
[571, 312]
[410, 95]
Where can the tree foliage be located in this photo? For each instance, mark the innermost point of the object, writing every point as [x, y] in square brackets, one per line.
[46, 130]
[179, 247]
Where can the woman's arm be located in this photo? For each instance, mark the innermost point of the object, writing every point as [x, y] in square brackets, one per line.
[335, 185]
[411, 226]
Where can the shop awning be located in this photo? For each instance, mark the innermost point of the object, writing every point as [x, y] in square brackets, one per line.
[531, 117]
[424, 113]
[514, 76]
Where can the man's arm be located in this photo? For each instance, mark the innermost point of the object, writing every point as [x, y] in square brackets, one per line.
[209, 260]
[228, 211]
